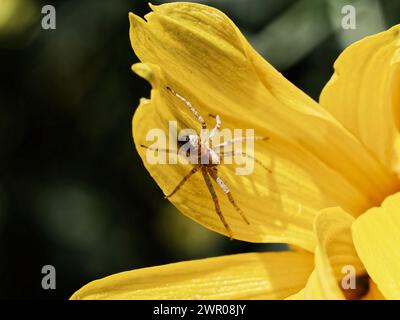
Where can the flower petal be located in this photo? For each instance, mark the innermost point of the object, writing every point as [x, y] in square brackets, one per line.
[333, 254]
[272, 275]
[376, 236]
[198, 52]
[267, 223]
[364, 92]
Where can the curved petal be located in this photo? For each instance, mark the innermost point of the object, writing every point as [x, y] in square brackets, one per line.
[333, 256]
[364, 94]
[376, 236]
[198, 52]
[271, 275]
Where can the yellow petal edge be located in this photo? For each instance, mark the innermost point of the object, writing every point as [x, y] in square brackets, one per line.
[274, 275]
[376, 236]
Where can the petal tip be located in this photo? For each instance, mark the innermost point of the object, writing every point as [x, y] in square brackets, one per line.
[144, 71]
[134, 20]
[396, 29]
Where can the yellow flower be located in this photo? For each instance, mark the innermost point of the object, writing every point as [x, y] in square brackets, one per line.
[333, 190]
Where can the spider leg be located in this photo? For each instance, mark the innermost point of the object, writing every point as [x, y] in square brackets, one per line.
[217, 126]
[156, 149]
[234, 140]
[182, 182]
[216, 202]
[191, 108]
[244, 154]
[213, 173]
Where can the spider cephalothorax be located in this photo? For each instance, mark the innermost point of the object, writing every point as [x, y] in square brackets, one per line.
[206, 159]
[197, 149]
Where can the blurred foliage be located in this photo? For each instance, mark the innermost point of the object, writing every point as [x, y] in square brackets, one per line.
[73, 191]
[14, 26]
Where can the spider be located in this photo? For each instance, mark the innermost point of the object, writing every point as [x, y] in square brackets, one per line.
[206, 159]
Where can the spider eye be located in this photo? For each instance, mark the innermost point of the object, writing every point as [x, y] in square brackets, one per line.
[182, 140]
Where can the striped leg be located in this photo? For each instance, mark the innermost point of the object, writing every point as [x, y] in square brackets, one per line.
[224, 187]
[185, 178]
[238, 139]
[216, 202]
[244, 154]
[156, 149]
[217, 126]
[191, 108]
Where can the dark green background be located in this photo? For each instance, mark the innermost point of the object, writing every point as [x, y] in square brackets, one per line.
[73, 191]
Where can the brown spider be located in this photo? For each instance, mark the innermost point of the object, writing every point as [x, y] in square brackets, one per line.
[206, 159]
